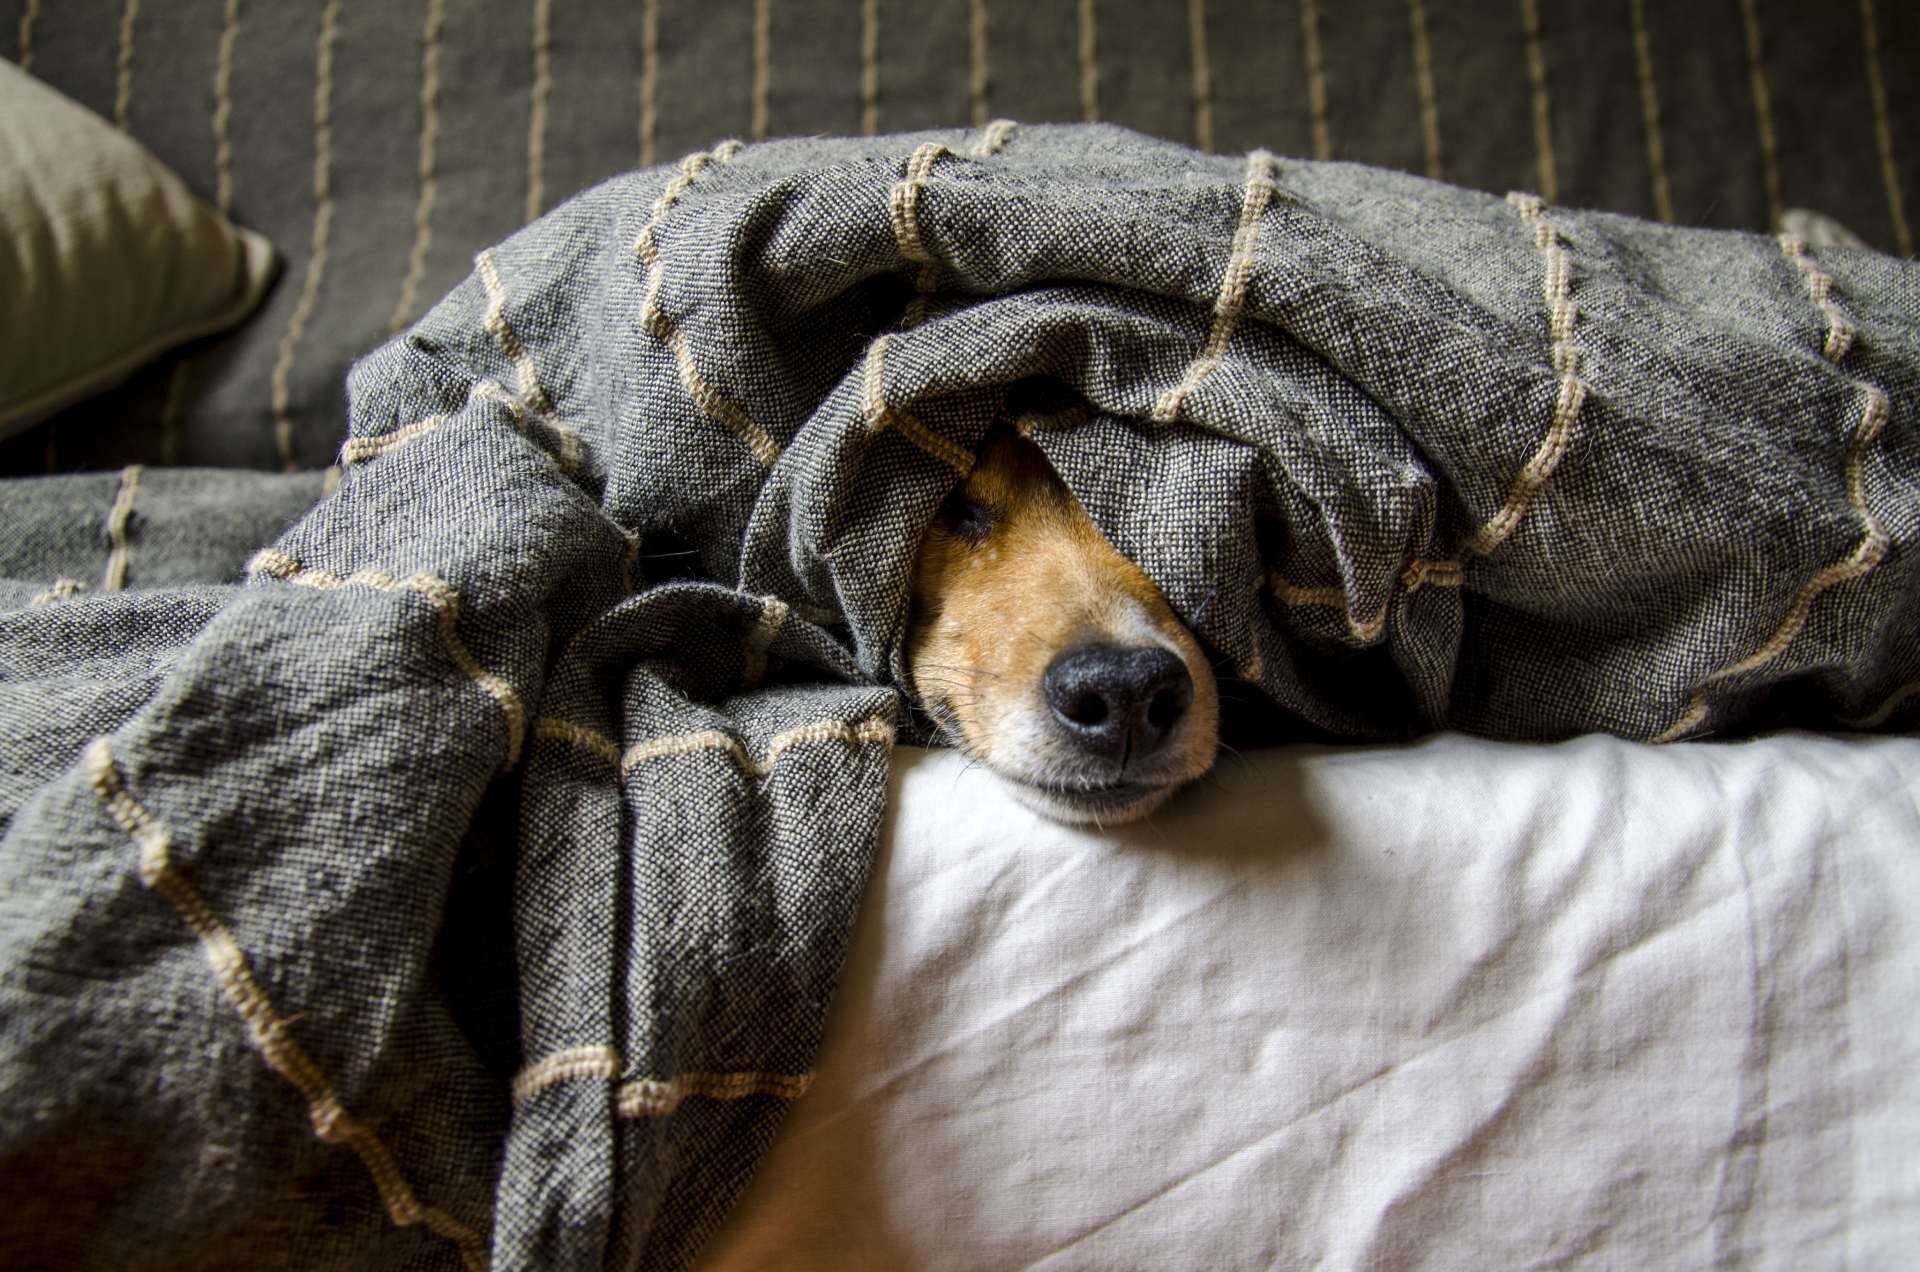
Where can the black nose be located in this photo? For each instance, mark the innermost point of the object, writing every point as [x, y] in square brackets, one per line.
[1119, 702]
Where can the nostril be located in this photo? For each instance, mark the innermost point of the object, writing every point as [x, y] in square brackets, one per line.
[1168, 705]
[1087, 709]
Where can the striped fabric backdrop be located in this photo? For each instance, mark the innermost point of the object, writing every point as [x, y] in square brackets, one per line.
[380, 146]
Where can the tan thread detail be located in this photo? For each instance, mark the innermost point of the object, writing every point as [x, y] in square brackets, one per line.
[1423, 83]
[871, 730]
[271, 1034]
[322, 226]
[652, 1097]
[123, 66]
[1763, 112]
[1650, 114]
[117, 518]
[762, 65]
[1562, 314]
[223, 109]
[1200, 74]
[880, 415]
[27, 22]
[1865, 556]
[649, 81]
[1316, 78]
[509, 340]
[600, 1063]
[550, 729]
[1840, 330]
[998, 133]
[537, 108]
[977, 82]
[1542, 107]
[1883, 131]
[1329, 598]
[716, 405]
[426, 169]
[330, 482]
[773, 615]
[566, 456]
[870, 67]
[63, 589]
[446, 605]
[1089, 63]
[1232, 297]
[358, 450]
[1886, 709]
[903, 204]
[1419, 574]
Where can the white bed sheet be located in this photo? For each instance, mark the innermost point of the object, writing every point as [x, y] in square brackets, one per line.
[1455, 1005]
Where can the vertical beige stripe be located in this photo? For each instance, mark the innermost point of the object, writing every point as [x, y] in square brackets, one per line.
[977, 58]
[649, 81]
[1316, 77]
[27, 21]
[1423, 84]
[762, 65]
[537, 110]
[322, 227]
[1542, 109]
[1650, 115]
[223, 110]
[869, 66]
[1763, 113]
[173, 411]
[1201, 72]
[1883, 130]
[428, 176]
[1089, 63]
[123, 65]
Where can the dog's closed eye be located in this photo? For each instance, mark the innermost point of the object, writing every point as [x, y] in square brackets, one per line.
[966, 517]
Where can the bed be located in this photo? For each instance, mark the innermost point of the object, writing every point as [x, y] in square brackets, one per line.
[1414, 998]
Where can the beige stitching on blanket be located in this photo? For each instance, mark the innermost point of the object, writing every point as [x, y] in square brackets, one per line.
[1840, 329]
[63, 589]
[1330, 598]
[873, 729]
[652, 1097]
[601, 1063]
[1227, 306]
[270, 1032]
[713, 403]
[879, 415]
[117, 518]
[904, 202]
[997, 134]
[357, 450]
[1865, 556]
[509, 340]
[446, 604]
[773, 614]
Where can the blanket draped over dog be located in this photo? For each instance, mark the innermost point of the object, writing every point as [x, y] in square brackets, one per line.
[458, 872]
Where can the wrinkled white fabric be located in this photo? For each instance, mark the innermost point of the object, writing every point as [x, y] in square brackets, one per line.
[1456, 1005]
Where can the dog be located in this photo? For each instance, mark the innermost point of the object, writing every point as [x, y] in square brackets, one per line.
[1040, 650]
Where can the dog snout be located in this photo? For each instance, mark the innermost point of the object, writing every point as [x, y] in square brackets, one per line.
[1118, 702]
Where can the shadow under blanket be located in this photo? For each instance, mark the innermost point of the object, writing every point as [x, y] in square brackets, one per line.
[468, 883]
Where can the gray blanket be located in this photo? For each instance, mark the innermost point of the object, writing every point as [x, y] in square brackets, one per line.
[467, 883]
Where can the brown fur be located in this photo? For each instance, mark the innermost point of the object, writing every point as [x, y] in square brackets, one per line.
[990, 616]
